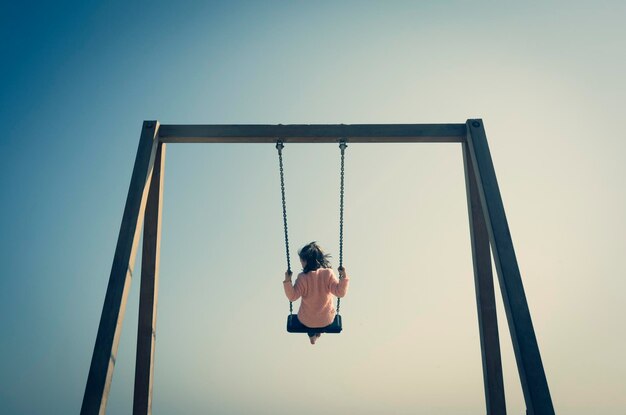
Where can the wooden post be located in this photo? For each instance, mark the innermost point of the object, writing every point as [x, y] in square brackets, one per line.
[527, 356]
[107, 339]
[485, 297]
[146, 331]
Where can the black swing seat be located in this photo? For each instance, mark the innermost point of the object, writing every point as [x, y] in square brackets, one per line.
[295, 326]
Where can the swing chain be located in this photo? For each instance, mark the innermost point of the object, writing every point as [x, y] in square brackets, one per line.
[279, 147]
[342, 145]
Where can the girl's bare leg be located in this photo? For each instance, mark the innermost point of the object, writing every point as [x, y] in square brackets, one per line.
[314, 338]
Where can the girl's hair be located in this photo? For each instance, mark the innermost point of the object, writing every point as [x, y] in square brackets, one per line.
[314, 256]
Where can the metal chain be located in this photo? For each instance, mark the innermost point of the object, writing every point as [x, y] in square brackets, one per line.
[342, 146]
[279, 147]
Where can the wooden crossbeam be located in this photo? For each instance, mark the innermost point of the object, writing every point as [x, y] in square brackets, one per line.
[314, 133]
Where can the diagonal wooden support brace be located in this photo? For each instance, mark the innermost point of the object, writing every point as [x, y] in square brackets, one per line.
[110, 327]
[527, 356]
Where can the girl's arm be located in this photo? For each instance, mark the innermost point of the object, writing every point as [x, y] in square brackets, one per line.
[293, 292]
[339, 288]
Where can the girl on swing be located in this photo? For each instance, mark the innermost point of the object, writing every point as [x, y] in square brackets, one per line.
[316, 284]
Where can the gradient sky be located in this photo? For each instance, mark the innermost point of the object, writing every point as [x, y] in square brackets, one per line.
[78, 79]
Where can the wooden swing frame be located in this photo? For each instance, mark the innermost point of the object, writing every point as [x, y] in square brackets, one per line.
[488, 230]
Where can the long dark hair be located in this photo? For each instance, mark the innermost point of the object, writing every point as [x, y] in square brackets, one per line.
[314, 256]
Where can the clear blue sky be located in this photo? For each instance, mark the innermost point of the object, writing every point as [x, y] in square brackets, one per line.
[78, 79]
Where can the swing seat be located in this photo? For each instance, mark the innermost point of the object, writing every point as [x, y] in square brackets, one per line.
[295, 326]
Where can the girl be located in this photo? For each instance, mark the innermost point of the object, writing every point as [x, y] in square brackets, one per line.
[316, 284]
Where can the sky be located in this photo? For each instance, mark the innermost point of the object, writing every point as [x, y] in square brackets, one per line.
[79, 78]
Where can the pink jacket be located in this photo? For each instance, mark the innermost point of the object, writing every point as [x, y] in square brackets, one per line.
[317, 289]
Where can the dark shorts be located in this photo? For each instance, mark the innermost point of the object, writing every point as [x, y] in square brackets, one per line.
[313, 331]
